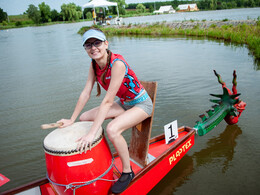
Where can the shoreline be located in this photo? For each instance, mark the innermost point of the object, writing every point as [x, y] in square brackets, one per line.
[208, 24]
[185, 24]
[235, 31]
[189, 24]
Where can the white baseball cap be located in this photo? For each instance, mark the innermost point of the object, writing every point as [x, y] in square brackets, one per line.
[92, 33]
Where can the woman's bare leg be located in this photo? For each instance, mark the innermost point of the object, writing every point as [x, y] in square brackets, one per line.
[90, 115]
[121, 123]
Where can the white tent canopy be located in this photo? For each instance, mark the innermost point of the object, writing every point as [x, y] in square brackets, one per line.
[100, 3]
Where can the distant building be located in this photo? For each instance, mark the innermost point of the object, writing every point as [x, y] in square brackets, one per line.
[188, 7]
[168, 9]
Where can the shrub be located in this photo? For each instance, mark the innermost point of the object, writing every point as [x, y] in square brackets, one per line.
[18, 23]
[140, 8]
[4, 23]
[197, 26]
[213, 26]
[89, 15]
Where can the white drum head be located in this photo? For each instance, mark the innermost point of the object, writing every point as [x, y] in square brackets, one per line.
[64, 140]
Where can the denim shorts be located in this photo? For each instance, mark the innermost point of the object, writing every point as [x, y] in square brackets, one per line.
[146, 105]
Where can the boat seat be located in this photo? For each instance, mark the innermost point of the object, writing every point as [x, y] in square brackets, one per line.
[141, 133]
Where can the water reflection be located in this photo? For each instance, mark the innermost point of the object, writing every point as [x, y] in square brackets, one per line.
[175, 178]
[238, 46]
[219, 151]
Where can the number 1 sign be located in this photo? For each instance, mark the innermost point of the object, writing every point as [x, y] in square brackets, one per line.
[171, 131]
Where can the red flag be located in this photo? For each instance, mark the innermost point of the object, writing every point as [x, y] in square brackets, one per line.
[3, 179]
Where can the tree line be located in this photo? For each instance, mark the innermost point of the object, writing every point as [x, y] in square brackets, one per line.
[72, 12]
[202, 4]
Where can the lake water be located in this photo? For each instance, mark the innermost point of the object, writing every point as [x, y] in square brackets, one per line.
[44, 69]
[233, 14]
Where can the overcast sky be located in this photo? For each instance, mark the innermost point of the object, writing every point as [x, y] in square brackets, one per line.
[16, 7]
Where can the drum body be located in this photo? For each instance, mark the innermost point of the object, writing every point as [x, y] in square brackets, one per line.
[66, 166]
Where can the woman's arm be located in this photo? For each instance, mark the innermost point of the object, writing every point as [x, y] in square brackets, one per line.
[117, 76]
[83, 99]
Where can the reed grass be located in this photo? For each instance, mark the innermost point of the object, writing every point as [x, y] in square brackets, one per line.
[240, 34]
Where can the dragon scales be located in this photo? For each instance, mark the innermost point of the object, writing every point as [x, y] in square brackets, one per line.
[228, 107]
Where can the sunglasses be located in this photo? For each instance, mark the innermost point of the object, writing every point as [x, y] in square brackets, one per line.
[96, 43]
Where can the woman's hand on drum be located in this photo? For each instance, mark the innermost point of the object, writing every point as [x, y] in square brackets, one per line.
[85, 142]
[65, 122]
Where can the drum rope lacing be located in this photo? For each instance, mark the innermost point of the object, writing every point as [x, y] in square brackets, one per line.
[75, 185]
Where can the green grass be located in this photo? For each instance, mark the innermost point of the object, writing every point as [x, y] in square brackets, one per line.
[16, 21]
[20, 18]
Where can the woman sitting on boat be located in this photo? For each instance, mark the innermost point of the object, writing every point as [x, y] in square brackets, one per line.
[134, 105]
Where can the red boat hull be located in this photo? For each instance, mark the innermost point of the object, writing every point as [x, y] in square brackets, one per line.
[166, 157]
[150, 175]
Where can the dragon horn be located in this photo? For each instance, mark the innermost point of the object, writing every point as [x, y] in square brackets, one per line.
[225, 91]
[235, 95]
[219, 78]
[234, 88]
[234, 78]
[216, 95]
